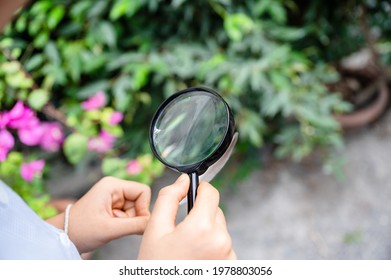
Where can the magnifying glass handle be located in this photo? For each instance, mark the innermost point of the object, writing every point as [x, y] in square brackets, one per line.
[192, 193]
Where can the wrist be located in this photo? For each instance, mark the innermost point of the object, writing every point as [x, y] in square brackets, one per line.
[57, 221]
[61, 221]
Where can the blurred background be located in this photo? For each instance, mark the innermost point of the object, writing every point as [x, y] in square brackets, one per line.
[308, 82]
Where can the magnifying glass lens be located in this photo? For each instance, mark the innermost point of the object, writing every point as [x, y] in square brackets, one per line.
[190, 131]
[190, 128]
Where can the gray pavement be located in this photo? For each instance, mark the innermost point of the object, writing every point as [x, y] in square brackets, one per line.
[295, 211]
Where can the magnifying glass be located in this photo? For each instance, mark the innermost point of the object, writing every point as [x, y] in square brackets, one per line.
[193, 132]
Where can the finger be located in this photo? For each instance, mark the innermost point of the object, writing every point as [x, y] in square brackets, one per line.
[131, 211]
[220, 218]
[232, 255]
[126, 213]
[143, 202]
[206, 204]
[167, 204]
[126, 226]
[130, 191]
[222, 223]
[119, 213]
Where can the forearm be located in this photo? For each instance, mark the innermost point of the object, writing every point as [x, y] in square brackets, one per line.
[57, 221]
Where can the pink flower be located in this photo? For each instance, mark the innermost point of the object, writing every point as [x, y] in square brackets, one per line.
[134, 167]
[30, 130]
[4, 119]
[52, 137]
[32, 134]
[103, 143]
[31, 169]
[17, 111]
[94, 102]
[21, 116]
[116, 118]
[48, 135]
[7, 142]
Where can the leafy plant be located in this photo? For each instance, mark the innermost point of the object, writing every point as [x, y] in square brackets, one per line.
[59, 54]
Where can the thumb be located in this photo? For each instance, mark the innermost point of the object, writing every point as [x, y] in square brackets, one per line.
[167, 204]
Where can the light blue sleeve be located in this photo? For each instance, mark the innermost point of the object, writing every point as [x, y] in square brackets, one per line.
[24, 235]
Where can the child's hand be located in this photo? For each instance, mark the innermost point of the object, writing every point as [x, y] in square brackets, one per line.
[111, 209]
[202, 235]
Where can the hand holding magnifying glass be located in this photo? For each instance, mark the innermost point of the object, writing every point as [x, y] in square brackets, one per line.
[193, 132]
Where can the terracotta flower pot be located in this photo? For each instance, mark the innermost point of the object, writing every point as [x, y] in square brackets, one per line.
[364, 84]
[371, 112]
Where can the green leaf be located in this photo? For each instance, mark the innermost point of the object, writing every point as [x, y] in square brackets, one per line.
[116, 130]
[210, 65]
[310, 114]
[75, 147]
[258, 81]
[19, 80]
[113, 166]
[34, 62]
[34, 27]
[21, 23]
[169, 88]
[93, 115]
[108, 34]
[79, 8]
[237, 25]
[40, 7]
[38, 98]
[75, 68]
[93, 62]
[15, 157]
[10, 67]
[177, 3]
[119, 9]
[125, 7]
[140, 77]
[122, 93]
[287, 33]
[261, 7]
[52, 53]
[122, 60]
[277, 12]
[55, 16]
[6, 42]
[41, 39]
[97, 9]
[91, 89]
[279, 80]
[145, 98]
[56, 73]
[251, 127]
[275, 9]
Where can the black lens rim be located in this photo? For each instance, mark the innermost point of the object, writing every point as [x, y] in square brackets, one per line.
[201, 166]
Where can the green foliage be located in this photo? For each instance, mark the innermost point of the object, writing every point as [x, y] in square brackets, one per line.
[337, 28]
[32, 192]
[75, 147]
[38, 98]
[117, 167]
[140, 52]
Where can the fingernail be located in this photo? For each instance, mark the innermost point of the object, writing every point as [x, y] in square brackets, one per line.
[182, 178]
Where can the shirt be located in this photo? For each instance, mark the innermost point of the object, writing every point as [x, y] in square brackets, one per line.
[24, 235]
